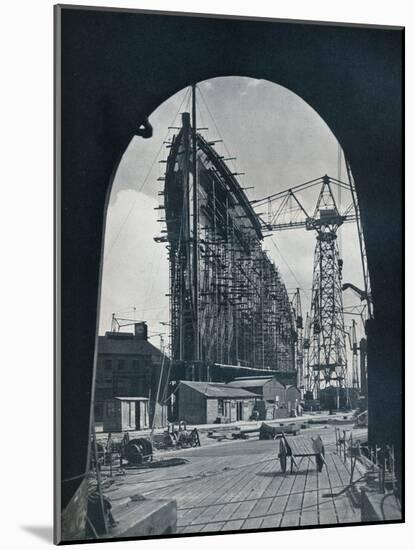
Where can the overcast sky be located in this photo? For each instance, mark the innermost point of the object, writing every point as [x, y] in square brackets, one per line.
[279, 142]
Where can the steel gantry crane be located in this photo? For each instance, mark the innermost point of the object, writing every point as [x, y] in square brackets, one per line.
[325, 348]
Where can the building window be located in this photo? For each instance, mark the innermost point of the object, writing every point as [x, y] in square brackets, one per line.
[136, 364]
[119, 386]
[98, 411]
[220, 407]
[108, 364]
[111, 408]
[121, 364]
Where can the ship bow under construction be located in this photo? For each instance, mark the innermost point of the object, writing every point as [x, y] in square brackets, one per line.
[229, 308]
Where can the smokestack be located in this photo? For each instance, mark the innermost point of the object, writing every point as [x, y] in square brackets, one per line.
[140, 330]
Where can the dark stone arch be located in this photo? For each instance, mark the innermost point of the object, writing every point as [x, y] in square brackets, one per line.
[117, 67]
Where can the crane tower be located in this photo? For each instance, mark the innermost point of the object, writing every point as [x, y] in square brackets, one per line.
[327, 358]
[298, 339]
[324, 346]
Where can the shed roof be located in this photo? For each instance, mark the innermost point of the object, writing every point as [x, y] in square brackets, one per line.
[131, 398]
[260, 377]
[253, 382]
[126, 344]
[218, 389]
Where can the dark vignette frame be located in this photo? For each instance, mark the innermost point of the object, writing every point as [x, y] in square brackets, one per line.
[93, 128]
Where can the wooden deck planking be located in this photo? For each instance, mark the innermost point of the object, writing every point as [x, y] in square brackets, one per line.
[245, 491]
[262, 506]
[206, 491]
[279, 503]
[252, 523]
[214, 526]
[340, 470]
[144, 482]
[263, 481]
[238, 491]
[233, 525]
[292, 513]
[226, 481]
[229, 509]
[271, 521]
[327, 513]
[206, 515]
[191, 528]
[276, 482]
[243, 510]
[244, 474]
[309, 508]
[217, 500]
[345, 509]
[327, 504]
[192, 491]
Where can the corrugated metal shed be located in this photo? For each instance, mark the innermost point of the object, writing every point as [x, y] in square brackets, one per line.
[221, 391]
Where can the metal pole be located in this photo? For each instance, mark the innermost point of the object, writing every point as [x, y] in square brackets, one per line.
[195, 230]
[98, 474]
[153, 424]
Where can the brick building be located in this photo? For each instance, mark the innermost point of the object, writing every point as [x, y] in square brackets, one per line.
[129, 366]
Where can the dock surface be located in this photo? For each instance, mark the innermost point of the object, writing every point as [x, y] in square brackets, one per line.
[239, 485]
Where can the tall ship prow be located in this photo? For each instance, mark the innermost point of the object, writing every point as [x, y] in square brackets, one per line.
[230, 314]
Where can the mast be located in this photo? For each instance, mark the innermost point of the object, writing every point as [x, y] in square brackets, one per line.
[195, 231]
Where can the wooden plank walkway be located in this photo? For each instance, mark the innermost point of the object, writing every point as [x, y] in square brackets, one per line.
[239, 485]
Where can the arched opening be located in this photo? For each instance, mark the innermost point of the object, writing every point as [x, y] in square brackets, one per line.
[274, 246]
[281, 143]
[93, 144]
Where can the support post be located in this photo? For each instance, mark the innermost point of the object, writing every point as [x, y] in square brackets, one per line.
[195, 231]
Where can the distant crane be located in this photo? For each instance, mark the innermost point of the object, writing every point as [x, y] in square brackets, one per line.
[364, 296]
[306, 352]
[326, 343]
[355, 361]
[118, 322]
[299, 343]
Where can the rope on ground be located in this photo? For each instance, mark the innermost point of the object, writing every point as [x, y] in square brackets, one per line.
[209, 475]
[75, 477]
